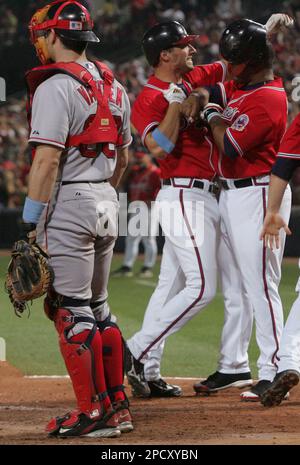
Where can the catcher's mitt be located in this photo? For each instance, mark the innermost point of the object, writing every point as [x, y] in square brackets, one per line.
[29, 275]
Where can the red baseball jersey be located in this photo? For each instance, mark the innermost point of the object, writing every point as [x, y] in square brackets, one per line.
[143, 184]
[290, 145]
[193, 154]
[256, 117]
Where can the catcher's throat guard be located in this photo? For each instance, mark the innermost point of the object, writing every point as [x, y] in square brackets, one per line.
[29, 275]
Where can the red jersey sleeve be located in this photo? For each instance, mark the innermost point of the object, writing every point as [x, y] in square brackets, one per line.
[248, 130]
[148, 111]
[290, 145]
[207, 75]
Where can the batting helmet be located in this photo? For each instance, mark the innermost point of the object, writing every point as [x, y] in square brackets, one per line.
[70, 19]
[244, 41]
[162, 37]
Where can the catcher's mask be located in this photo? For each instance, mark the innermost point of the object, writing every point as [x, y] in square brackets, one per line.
[69, 19]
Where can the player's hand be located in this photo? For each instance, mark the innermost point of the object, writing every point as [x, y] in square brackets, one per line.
[195, 103]
[273, 223]
[278, 22]
[174, 94]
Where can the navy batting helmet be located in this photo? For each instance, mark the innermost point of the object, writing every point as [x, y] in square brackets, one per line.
[245, 41]
[162, 37]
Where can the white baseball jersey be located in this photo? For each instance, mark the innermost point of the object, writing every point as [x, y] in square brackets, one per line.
[61, 107]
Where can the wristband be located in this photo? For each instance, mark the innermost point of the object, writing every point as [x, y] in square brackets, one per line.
[210, 113]
[162, 140]
[32, 210]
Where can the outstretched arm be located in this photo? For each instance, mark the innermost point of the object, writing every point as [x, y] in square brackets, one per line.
[273, 221]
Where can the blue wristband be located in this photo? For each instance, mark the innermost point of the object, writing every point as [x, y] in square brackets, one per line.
[32, 210]
[163, 141]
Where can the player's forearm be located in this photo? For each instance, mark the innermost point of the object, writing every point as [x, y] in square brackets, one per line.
[122, 162]
[168, 133]
[276, 191]
[218, 128]
[43, 173]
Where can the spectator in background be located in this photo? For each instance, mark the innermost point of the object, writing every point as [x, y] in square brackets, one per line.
[142, 184]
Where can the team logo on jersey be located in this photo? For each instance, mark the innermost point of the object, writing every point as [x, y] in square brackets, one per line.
[240, 123]
[229, 113]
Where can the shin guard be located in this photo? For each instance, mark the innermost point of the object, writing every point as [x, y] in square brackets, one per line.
[82, 354]
[113, 356]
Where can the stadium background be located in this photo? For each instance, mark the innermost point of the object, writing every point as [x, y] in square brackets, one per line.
[121, 24]
[26, 404]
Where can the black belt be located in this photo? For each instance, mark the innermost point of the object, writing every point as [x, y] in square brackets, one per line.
[247, 182]
[64, 183]
[212, 188]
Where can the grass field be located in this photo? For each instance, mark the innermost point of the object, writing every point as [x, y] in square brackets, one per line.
[193, 351]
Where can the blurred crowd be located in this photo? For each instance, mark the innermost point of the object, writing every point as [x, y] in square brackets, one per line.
[122, 23]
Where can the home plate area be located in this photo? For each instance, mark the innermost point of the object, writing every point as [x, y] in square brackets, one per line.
[27, 404]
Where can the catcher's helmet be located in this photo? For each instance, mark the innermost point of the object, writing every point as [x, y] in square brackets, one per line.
[70, 19]
[244, 41]
[163, 36]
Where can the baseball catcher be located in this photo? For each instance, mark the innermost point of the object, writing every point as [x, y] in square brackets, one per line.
[29, 274]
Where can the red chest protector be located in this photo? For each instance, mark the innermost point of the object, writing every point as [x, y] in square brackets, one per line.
[101, 126]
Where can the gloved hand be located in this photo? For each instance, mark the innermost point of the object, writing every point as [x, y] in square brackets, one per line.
[210, 110]
[278, 22]
[29, 274]
[28, 232]
[174, 94]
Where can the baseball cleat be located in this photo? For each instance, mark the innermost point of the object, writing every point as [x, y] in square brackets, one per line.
[218, 381]
[121, 408]
[160, 388]
[146, 272]
[79, 424]
[135, 375]
[125, 271]
[280, 387]
[255, 394]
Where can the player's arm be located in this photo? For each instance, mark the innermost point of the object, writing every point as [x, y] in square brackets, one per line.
[42, 177]
[49, 132]
[121, 165]
[162, 140]
[218, 126]
[273, 221]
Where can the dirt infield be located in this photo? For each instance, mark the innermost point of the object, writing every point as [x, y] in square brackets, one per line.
[27, 404]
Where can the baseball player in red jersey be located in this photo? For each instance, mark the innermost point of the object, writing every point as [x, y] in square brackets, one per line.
[288, 371]
[248, 134]
[141, 185]
[187, 281]
[80, 129]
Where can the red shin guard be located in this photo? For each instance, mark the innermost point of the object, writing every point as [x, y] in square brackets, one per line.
[113, 362]
[83, 359]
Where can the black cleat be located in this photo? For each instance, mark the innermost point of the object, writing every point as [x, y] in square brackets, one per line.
[255, 394]
[135, 375]
[218, 381]
[159, 388]
[125, 271]
[280, 387]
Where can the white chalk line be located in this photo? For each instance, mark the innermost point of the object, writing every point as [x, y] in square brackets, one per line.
[22, 407]
[68, 377]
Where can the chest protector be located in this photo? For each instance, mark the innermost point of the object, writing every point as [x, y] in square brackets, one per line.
[101, 127]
